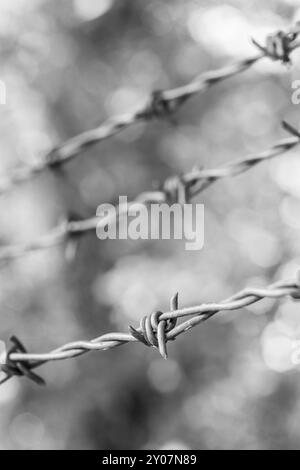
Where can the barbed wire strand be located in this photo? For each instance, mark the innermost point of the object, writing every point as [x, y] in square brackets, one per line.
[161, 104]
[158, 328]
[155, 330]
[175, 189]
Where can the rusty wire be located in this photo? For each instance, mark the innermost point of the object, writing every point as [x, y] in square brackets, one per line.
[161, 104]
[175, 189]
[155, 330]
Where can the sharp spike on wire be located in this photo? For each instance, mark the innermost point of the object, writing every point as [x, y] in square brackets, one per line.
[174, 302]
[289, 128]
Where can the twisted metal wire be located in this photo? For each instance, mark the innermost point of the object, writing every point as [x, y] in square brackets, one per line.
[155, 330]
[179, 189]
[161, 104]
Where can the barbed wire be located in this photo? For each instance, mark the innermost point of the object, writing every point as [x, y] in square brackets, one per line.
[180, 189]
[161, 104]
[155, 330]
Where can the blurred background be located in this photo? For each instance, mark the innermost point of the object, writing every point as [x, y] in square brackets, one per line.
[230, 383]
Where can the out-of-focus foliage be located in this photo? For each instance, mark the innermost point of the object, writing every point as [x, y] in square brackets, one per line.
[229, 383]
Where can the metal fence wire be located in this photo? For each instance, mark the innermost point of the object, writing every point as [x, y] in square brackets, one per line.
[156, 329]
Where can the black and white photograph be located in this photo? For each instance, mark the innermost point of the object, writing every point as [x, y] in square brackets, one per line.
[149, 228]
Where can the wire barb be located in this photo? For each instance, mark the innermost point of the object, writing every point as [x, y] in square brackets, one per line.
[176, 190]
[160, 106]
[19, 368]
[280, 44]
[289, 128]
[153, 330]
